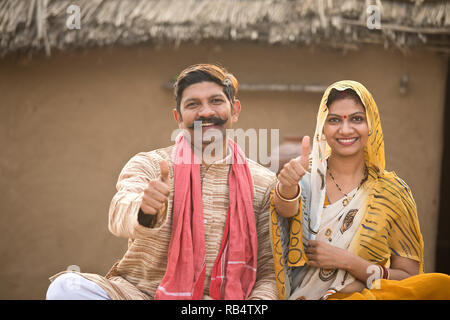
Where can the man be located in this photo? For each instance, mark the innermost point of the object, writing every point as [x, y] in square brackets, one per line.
[196, 213]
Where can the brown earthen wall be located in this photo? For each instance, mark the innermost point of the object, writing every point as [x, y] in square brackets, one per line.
[69, 123]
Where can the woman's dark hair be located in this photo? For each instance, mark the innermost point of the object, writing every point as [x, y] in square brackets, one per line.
[345, 94]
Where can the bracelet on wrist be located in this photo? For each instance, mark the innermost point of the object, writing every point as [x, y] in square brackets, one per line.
[385, 272]
[277, 192]
[146, 220]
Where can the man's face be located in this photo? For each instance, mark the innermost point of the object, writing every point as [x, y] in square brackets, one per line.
[207, 103]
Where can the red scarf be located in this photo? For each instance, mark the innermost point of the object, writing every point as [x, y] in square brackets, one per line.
[234, 271]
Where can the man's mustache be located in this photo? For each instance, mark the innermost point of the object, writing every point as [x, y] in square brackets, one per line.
[214, 120]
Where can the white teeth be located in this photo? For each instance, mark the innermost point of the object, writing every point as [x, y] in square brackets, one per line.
[207, 124]
[347, 140]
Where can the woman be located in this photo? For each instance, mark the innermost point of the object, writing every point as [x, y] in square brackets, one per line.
[339, 220]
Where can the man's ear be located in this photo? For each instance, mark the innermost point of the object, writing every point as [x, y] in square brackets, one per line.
[236, 110]
[177, 117]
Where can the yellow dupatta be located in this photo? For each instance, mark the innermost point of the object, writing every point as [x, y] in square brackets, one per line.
[390, 223]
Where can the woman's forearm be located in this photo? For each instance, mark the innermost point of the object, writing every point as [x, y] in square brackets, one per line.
[356, 266]
[286, 209]
[362, 269]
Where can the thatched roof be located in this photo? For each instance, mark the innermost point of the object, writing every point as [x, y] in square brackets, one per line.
[36, 25]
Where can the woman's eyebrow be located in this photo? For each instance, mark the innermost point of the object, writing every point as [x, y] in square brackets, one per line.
[355, 113]
[358, 112]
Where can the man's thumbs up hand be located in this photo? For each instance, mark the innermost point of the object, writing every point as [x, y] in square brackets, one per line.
[157, 192]
[164, 168]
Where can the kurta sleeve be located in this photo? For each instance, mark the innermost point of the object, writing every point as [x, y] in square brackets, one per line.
[265, 286]
[125, 205]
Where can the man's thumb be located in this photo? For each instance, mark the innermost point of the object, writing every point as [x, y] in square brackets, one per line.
[164, 166]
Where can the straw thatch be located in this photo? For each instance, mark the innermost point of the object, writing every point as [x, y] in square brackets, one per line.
[36, 25]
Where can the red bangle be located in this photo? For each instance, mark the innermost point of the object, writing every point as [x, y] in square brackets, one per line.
[385, 272]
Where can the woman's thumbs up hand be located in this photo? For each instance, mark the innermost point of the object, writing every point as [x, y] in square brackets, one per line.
[294, 170]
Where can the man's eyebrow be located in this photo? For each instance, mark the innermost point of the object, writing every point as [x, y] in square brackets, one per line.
[210, 97]
[217, 95]
[190, 99]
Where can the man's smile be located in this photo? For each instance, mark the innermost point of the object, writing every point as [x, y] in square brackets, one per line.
[210, 122]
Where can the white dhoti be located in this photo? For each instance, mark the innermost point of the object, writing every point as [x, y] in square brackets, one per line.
[72, 286]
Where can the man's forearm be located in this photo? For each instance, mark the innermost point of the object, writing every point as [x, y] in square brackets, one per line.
[123, 214]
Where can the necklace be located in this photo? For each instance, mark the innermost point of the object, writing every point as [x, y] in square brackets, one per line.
[347, 198]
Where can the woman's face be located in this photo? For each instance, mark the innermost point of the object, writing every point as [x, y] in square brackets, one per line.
[346, 128]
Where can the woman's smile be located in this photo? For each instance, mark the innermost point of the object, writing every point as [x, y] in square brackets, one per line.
[347, 141]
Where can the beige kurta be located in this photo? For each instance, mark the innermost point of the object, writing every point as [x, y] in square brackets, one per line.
[140, 271]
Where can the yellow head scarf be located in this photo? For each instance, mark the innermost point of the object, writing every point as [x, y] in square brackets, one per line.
[390, 224]
[374, 149]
